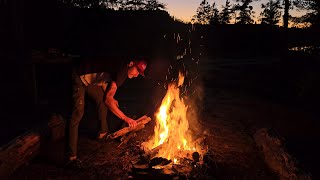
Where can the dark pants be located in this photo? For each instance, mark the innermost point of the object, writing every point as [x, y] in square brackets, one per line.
[78, 96]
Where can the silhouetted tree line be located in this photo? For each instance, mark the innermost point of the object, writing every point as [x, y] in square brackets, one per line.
[313, 11]
[135, 26]
[242, 12]
[103, 31]
[116, 4]
[267, 39]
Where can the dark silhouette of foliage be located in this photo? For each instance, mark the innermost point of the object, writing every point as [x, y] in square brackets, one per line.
[215, 19]
[154, 5]
[204, 13]
[111, 4]
[234, 12]
[117, 4]
[271, 13]
[313, 11]
[245, 12]
[82, 3]
[132, 5]
[226, 13]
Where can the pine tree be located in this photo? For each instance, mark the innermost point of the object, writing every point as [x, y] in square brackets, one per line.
[82, 3]
[204, 13]
[245, 12]
[271, 13]
[111, 4]
[215, 18]
[132, 5]
[226, 13]
[154, 5]
[313, 11]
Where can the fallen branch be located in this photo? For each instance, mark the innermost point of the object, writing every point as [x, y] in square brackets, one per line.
[140, 125]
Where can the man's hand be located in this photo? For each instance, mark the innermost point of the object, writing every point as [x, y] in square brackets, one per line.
[132, 123]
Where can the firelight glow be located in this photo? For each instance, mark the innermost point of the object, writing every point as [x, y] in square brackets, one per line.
[172, 126]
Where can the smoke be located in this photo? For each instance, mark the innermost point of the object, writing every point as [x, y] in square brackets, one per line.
[192, 92]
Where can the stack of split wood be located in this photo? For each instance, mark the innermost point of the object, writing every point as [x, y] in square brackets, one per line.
[127, 133]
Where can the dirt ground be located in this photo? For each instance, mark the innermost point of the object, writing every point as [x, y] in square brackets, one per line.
[230, 116]
[233, 150]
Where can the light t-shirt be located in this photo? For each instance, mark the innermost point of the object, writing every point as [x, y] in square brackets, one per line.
[95, 78]
[95, 72]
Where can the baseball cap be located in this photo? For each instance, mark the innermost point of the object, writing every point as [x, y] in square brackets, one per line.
[141, 66]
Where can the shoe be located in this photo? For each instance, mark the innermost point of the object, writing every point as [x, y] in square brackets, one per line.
[103, 139]
[76, 165]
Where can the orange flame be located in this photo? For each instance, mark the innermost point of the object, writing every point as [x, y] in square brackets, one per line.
[172, 126]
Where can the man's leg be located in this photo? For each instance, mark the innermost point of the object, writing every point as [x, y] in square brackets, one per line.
[97, 94]
[77, 113]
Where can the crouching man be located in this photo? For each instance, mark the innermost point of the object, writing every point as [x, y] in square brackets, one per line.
[100, 81]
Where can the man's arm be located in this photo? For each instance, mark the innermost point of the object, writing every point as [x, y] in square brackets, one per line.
[114, 107]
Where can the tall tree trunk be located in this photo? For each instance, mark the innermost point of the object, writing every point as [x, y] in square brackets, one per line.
[286, 14]
[285, 25]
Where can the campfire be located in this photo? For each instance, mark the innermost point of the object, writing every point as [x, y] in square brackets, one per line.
[172, 138]
[173, 150]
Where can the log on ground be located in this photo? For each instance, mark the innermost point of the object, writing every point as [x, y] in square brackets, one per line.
[25, 147]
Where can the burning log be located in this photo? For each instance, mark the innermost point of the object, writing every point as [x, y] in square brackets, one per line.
[159, 161]
[151, 153]
[140, 125]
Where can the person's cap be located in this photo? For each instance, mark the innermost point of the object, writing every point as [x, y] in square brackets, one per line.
[141, 66]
